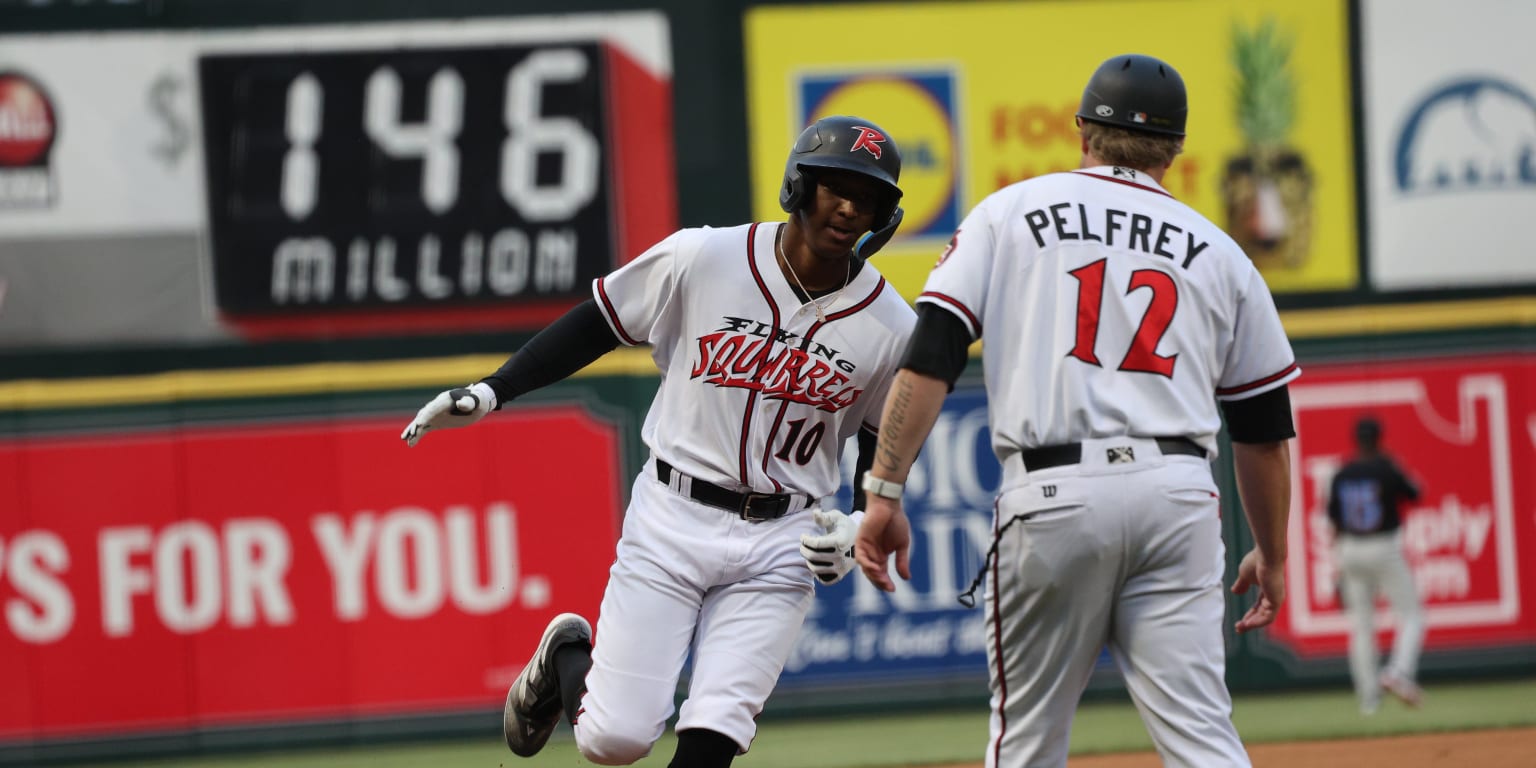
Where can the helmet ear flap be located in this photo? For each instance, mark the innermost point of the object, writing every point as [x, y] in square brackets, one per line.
[875, 240]
[792, 194]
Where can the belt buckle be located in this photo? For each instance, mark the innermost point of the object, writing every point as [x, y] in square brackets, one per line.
[748, 499]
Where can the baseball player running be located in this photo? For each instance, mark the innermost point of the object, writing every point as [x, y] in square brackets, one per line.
[775, 343]
[1115, 318]
[1363, 505]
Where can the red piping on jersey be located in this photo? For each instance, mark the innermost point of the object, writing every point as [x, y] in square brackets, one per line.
[952, 301]
[805, 344]
[1128, 184]
[997, 648]
[868, 300]
[773, 307]
[773, 433]
[1241, 388]
[613, 315]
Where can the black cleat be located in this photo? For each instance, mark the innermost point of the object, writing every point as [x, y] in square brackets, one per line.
[533, 702]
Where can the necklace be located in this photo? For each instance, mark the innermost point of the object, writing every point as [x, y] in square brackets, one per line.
[821, 315]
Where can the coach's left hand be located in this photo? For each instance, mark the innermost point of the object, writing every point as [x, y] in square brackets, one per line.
[1269, 577]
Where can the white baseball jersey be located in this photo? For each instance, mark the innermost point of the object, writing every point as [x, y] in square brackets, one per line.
[1149, 308]
[1113, 315]
[754, 384]
[757, 390]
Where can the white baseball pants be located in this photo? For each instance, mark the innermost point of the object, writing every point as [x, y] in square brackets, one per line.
[1369, 565]
[687, 576]
[1127, 555]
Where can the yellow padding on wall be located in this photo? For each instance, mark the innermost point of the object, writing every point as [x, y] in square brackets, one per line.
[450, 371]
[311, 378]
[1405, 318]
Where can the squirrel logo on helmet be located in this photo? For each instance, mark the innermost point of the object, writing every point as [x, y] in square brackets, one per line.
[869, 140]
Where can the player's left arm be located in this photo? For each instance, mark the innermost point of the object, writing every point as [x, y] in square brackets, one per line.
[568, 345]
[624, 308]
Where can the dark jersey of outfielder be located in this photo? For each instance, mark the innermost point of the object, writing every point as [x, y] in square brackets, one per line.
[1109, 309]
[1366, 495]
[757, 391]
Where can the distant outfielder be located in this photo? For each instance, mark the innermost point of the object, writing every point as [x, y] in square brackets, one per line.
[1364, 505]
[776, 343]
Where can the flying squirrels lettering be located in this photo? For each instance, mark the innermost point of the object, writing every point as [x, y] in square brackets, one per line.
[741, 355]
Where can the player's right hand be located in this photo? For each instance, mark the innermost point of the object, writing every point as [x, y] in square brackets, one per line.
[458, 407]
[830, 555]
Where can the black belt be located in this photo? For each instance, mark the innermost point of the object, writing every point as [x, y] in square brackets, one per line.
[749, 506]
[1072, 453]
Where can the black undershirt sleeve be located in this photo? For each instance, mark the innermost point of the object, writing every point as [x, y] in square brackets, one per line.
[1335, 505]
[1262, 418]
[940, 345]
[868, 440]
[564, 347]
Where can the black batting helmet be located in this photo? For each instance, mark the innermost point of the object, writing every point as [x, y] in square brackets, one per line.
[1136, 92]
[852, 144]
[1368, 431]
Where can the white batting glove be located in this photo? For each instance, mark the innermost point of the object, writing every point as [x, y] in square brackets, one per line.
[458, 407]
[830, 555]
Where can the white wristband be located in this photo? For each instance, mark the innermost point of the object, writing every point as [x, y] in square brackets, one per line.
[880, 487]
[487, 395]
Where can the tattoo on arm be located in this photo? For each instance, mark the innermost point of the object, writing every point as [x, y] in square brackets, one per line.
[891, 427]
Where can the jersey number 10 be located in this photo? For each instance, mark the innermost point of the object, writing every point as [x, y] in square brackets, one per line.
[807, 449]
[1142, 356]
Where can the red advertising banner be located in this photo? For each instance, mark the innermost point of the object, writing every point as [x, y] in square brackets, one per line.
[204, 576]
[1465, 429]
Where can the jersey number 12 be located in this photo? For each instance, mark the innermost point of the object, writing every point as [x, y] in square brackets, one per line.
[1142, 356]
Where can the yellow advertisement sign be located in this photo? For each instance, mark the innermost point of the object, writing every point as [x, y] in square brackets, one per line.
[981, 95]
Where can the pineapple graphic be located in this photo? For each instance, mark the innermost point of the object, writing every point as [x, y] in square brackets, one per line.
[1268, 189]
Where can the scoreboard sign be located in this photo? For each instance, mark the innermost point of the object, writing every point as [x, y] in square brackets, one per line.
[378, 175]
[430, 171]
[394, 177]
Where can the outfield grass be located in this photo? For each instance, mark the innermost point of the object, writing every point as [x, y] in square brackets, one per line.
[955, 736]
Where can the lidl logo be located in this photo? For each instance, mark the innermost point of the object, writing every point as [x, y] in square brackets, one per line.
[918, 110]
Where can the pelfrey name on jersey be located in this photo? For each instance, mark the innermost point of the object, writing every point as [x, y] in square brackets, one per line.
[1114, 227]
[730, 357]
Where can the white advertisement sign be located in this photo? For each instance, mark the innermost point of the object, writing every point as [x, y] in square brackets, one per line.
[98, 134]
[1450, 117]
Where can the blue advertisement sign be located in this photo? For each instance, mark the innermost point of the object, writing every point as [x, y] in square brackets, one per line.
[856, 631]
